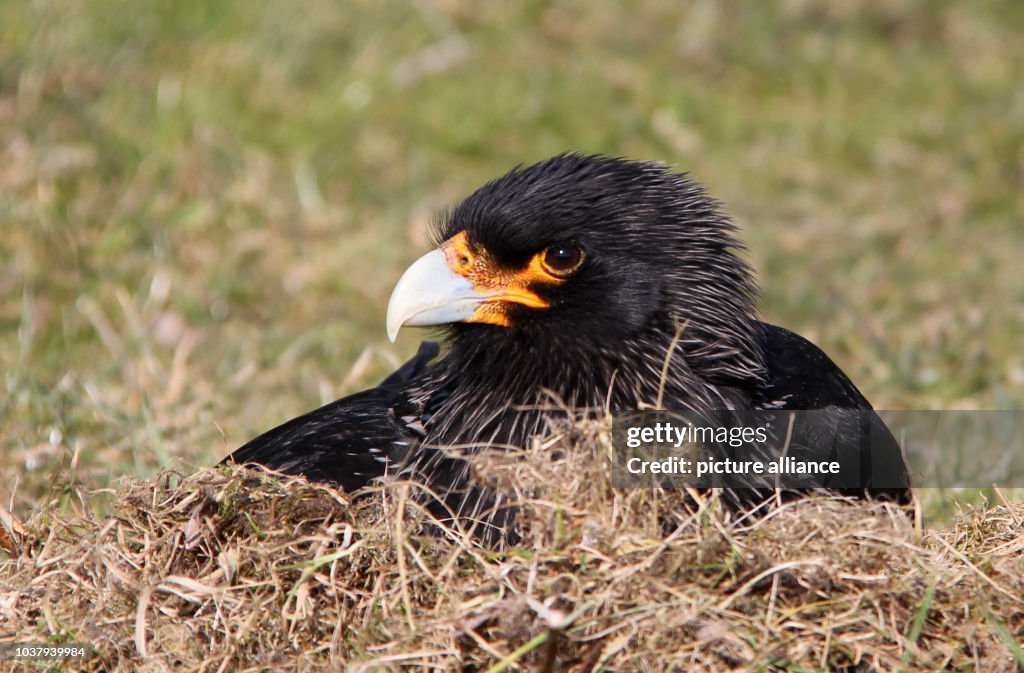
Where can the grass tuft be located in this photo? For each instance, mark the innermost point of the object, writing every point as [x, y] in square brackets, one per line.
[241, 569]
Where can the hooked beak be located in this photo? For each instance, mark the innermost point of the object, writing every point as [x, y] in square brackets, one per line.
[430, 293]
[457, 284]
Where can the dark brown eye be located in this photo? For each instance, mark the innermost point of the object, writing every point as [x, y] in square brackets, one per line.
[562, 259]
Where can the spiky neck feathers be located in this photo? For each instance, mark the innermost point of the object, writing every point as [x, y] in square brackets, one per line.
[666, 364]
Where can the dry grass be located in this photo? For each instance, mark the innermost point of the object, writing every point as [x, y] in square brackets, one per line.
[231, 569]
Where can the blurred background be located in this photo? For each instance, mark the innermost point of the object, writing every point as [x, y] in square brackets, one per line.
[204, 206]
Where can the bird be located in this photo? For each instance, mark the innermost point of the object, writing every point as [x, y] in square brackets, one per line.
[582, 282]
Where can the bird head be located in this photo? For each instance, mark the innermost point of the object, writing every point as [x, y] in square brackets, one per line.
[584, 250]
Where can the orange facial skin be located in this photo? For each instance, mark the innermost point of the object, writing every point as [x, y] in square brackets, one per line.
[501, 284]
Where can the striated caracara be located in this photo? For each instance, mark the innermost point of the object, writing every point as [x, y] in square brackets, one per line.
[581, 282]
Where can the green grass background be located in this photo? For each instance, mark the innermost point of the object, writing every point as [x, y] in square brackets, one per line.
[204, 206]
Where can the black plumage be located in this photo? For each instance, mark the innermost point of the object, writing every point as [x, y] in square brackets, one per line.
[570, 284]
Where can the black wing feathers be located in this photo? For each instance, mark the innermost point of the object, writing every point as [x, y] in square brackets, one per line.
[347, 442]
[801, 376]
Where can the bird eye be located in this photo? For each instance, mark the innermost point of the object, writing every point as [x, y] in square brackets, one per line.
[562, 259]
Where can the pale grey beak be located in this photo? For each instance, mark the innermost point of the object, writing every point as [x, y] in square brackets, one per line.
[430, 293]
